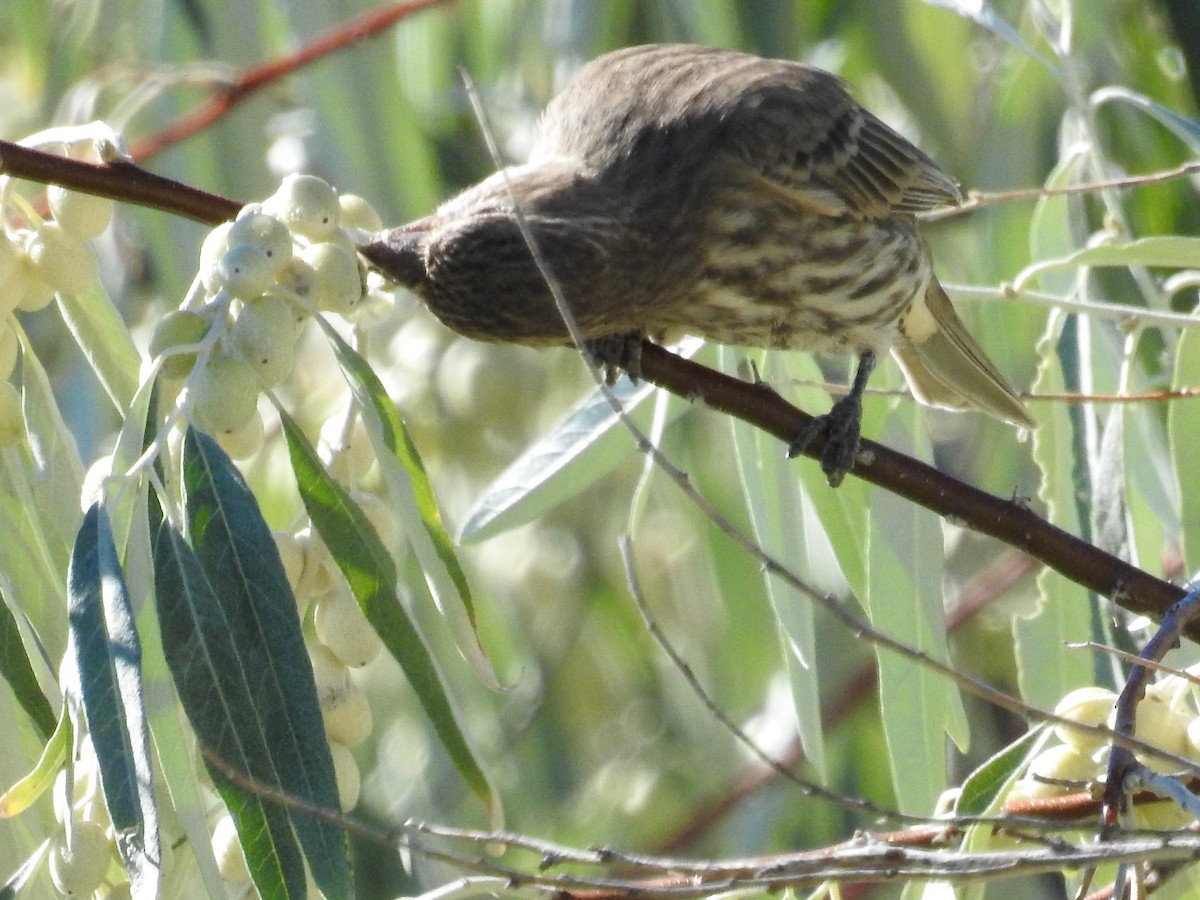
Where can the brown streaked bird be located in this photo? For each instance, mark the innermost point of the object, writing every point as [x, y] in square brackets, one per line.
[683, 189]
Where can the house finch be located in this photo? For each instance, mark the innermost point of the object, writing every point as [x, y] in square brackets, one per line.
[681, 189]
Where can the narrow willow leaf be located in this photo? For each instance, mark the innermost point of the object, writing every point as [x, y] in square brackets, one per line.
[782, 524]
[25, 792]
[983, 13]
[574, 454]
[906, 564]
[983, 789]
[371, 574]
[842, 512]
[214, 688]
[137, 431]
[1183, 429]
[582, 448]
[1174, 251]
[104, 338]
[1187, 130]
[413, 496]
[241, 562]
[28, 869]
[1045, 673]
[107, 657]
[18, 672]
[56, 471]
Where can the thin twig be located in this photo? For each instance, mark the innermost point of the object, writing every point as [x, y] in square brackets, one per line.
[1133, 659]
[980, 199]
[256, 78]
[865, 858]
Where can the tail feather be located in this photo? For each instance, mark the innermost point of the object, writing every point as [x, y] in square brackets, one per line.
[945, 367]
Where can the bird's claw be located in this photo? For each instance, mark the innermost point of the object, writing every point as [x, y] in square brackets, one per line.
[616, 353]
[840, 428]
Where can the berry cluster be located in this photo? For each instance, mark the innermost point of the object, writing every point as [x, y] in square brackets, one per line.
[40, 257]
[1167, 717]
[261, 277]
[83, 851]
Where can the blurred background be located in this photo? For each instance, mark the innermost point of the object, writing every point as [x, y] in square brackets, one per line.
[598, 739]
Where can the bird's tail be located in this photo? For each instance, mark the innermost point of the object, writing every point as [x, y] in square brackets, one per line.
[945, 367]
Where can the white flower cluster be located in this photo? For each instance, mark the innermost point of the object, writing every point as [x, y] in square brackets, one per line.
[40, 257]
[1167, 717]
[261, 276]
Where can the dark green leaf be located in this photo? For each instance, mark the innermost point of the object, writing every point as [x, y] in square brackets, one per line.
[107, 655]
[371, 574]
[208, 669]
[18, 672]
[239, 559]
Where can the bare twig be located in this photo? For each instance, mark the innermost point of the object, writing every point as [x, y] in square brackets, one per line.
[255, 79]
[634, 876]
[980, 199]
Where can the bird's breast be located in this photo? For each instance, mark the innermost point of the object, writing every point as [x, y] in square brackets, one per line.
[771, 277]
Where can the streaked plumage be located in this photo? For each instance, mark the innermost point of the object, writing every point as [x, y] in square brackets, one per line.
[677, 188]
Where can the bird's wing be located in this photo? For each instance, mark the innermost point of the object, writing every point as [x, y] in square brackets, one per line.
[806, 137]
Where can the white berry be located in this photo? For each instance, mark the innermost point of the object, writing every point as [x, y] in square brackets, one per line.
[307, 205]
[225, 395]
[342, 627]
[227, 848]
[78, 867]
[337, 285]
[83, 215]
[60, 259]
[349, 780]
[180, 328]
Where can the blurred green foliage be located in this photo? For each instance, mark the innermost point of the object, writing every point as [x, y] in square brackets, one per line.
[598, 739]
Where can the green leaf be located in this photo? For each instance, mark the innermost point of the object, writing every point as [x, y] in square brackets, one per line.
[104, 338]
[25, 873]
[1174, 251]
[138, 430]
[905, 560]
[984, 788]
[210, 672]
[54, 470]
[1045, 673]
[1186, 129]
[107, 657]
[842, 512]
[25, 792]
[371, 574]
[582, 448]
[18, 672]
[240, 562]
[786, 526]
[984, 15]
[1183, 429]
[413, 495]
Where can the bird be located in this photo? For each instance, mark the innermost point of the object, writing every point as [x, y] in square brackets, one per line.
[679, 189]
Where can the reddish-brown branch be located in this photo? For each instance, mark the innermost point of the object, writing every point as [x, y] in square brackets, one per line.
[257, 77]
[120, 180]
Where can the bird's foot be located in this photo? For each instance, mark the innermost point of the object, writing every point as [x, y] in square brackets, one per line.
[616, 353]
[840, 428]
